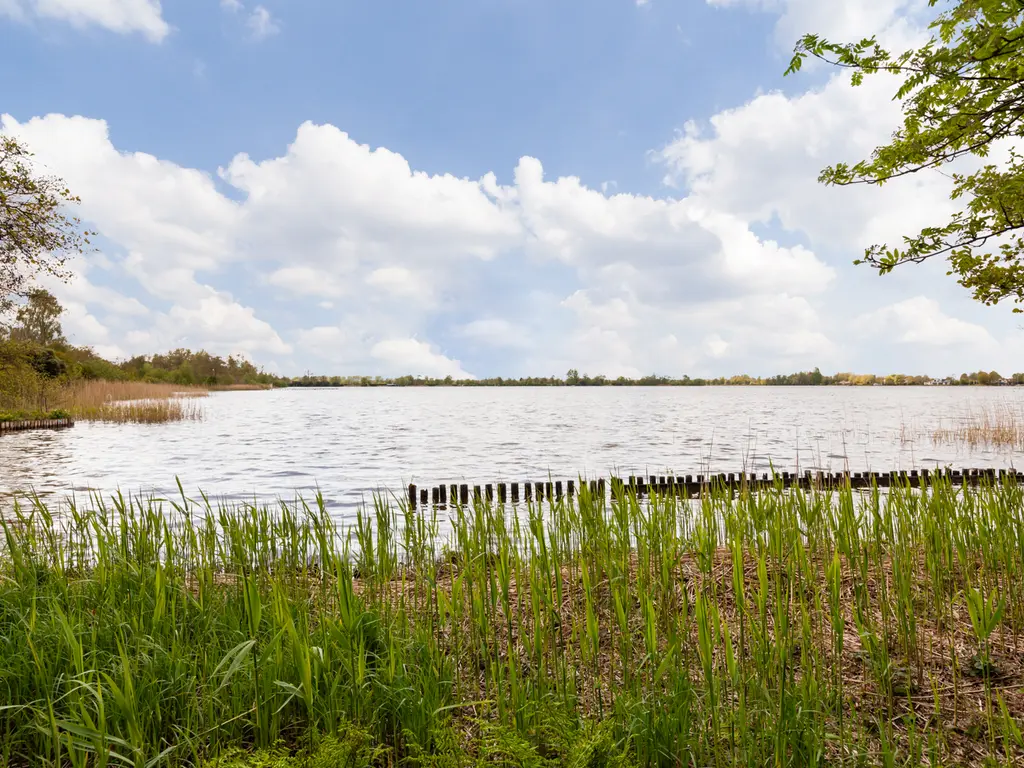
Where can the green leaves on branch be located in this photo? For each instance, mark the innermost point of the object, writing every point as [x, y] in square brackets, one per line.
[37, 236]
[963, 97]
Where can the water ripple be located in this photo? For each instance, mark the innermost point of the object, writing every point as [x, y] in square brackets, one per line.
[349, 443]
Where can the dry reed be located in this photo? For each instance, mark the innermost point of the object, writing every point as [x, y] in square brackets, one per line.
[997, 426]
[134, 402]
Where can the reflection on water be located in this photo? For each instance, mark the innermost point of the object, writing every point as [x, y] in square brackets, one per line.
[349, 442]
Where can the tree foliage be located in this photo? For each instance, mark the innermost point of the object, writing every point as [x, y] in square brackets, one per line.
[39, 319]
[37, 236]
[963, 96]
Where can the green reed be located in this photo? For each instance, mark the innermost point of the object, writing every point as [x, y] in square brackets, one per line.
[783, 627]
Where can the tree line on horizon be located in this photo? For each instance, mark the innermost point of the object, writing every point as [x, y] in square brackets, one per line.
[35, 346]
[574, 379]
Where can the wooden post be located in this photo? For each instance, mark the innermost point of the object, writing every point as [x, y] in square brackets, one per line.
[423, 496]
[528, 491]
[476, 493]
[501, 493]
[464, 494]
[547, 490]
[515, 493]
[435, 494]
[540, 491]
[444, 495]
[489, 491]
[558, 489]
[570, 488]
[412, 495]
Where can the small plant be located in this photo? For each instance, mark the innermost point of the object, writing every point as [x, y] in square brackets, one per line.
[985, 617]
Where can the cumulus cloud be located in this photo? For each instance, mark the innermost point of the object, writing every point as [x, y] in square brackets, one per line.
[121, 16]
[365, 263]
[761, 161]
[920, 320]
[417, 357]
[400, 249]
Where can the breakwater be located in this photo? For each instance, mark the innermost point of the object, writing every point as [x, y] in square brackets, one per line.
[21, 426]
[691, 486]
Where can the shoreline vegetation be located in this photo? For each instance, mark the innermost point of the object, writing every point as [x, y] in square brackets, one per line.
[38, 381]
[784, 628]
[573, 378]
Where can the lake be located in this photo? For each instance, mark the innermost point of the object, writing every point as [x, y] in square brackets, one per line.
[350, 442]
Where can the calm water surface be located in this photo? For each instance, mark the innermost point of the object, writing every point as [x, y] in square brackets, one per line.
[350, 442]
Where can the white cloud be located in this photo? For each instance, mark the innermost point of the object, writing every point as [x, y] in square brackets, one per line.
[262, 24]
[399, 282]
[840, 20]
[170, 220]
[417, 357]
[495, 332]
[231, 5]
[762, 160]
[121, 16]
[920, 320]
[307, 281]
[219, 323]
[345, 202]
[324, 340]
[334, 219]
[564, 274]
[759, 162]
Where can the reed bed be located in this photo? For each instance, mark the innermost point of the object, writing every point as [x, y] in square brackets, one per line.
[996, 426]
[786, 628]
[132, 401]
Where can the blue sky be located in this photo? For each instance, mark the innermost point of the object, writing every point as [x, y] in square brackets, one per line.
[496, 187]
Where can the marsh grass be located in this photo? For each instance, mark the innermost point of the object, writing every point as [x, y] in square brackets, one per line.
[131, 401]
[996, 426]
[785, 628]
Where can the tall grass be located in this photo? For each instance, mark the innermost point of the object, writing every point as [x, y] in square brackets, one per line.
[785, 628]
[131, 401]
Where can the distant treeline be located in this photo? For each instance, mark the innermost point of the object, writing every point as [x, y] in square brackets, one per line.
[574, 379]
[183, 366]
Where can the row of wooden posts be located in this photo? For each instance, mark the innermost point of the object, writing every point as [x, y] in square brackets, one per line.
[18, 426]
[690, 486]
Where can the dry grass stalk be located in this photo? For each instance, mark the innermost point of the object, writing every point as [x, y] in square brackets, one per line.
[998, 426]
[135, 402]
